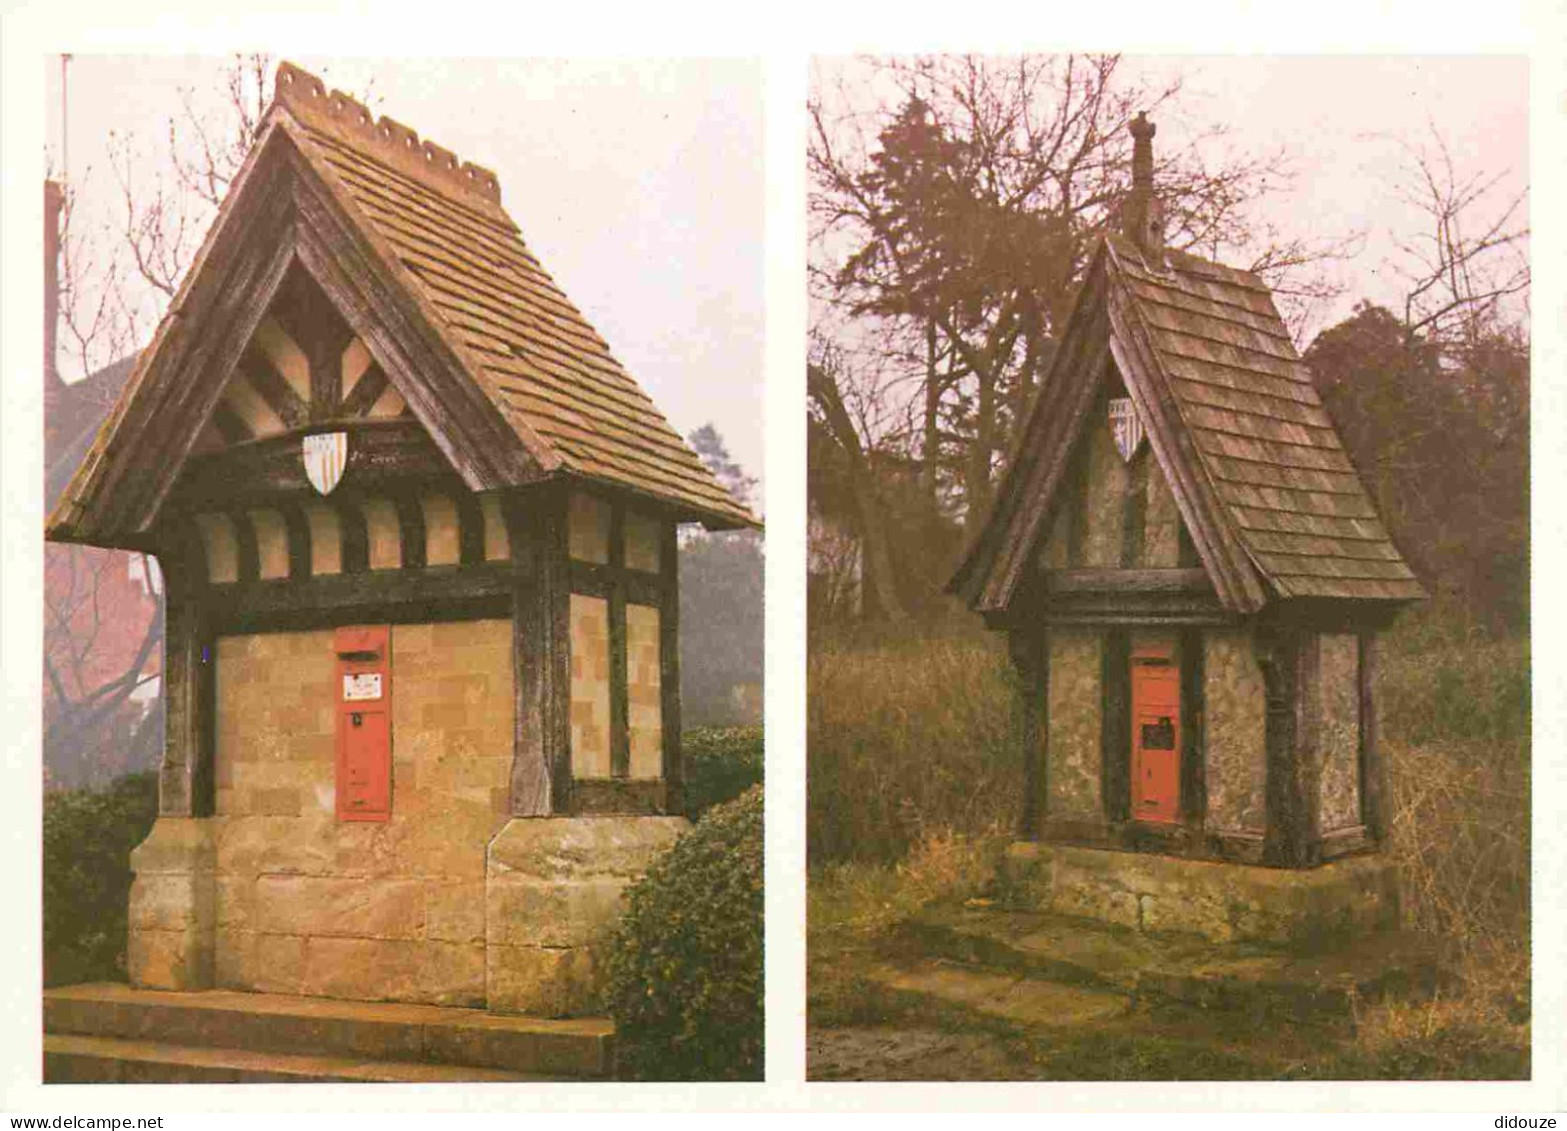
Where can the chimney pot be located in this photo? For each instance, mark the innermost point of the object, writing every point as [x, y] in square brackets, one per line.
[1142, 218]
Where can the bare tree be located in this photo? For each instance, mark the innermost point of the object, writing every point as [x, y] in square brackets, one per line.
[103, 631]
[1471, 256]
[952, 220]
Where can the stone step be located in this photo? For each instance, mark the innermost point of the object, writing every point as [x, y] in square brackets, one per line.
[71, 1059]
[579, 1048]
[1178, 968]
[1031, 1002]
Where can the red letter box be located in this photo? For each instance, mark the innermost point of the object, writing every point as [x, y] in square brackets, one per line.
[1156, 732]
[364, 723]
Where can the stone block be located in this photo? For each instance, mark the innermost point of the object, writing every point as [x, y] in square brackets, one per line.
[340, 906]
[277, 964]
[566, 848]
[394, 970]
[233, 958]
[176, 844]
[454, 912]
[541, 981]
[1220, 902]
[170, 960]
[526, 912]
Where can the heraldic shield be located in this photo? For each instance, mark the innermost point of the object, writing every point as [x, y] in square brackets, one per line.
[326, 455]
[1126, 427]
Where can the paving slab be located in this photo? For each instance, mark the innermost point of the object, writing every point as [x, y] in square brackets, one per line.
[1012, 997]
[1177, 967]
[74, 1059]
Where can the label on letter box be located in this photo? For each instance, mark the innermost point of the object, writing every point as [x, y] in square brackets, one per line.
[367, 686]
[364, 724]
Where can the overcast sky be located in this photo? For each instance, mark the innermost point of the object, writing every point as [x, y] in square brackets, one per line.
[638, 184]
[1345, 122]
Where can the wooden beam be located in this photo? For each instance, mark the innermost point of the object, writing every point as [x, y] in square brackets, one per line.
[410, 527]
[247, 555]
[1194, 769]
[1127, 581]
[352, 531]
[280, 602]
[541, 784]
[470, 527]
[271, 386]
[382, 455]
[619, 692]
[366, 391]
[619, 796]
[597, 580]
[299, 543]
[1374, 808]
[1030, 668]
[669, 666]
[1285, 840]
[1115, 725]
[186, 776]
[229, 425]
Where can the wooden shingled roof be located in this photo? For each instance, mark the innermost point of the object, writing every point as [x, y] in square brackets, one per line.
[1275, 507]
[555, 401]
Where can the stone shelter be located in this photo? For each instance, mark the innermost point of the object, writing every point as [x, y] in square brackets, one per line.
[1190, 575]
[418, 533]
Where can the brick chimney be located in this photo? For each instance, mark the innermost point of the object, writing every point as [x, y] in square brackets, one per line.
[1142, 215]
[54, 205]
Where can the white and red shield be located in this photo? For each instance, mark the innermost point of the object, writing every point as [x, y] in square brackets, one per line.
[1125, 427]
[326, 454]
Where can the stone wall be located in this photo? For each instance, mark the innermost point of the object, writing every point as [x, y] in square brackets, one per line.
[392, 910]
[1108, 480]
[1161, 520]
[1338, 731]
[1104, 515]
[1072, 748]
[1235, 763]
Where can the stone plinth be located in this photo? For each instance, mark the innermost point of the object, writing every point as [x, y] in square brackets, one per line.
[1219, 901]
[552, 892]
[173, 910]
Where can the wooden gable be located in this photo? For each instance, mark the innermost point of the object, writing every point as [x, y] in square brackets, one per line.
[355, 274]
[1263, 489]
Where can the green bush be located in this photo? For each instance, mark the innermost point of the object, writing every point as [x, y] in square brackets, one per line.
[720, 763]
[685, 965]
[88, 837]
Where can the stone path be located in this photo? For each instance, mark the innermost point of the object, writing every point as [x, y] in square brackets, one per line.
[984, 993]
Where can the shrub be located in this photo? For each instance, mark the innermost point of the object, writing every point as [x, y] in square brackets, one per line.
[720, 763]
[88, 837]
[685, 964]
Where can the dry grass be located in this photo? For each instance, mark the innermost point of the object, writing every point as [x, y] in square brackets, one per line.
[915, 779]
[908, 739]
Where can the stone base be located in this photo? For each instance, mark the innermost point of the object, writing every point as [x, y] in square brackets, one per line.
[1221, 902]
[552, 891]
[173, 909]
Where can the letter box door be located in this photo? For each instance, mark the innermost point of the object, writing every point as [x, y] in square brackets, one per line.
[1156, 733]
[364, 723]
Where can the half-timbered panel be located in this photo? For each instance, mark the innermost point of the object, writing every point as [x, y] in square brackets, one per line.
[644, 717]
[590, 687]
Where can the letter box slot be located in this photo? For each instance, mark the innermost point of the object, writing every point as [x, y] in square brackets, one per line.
[364, 723]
